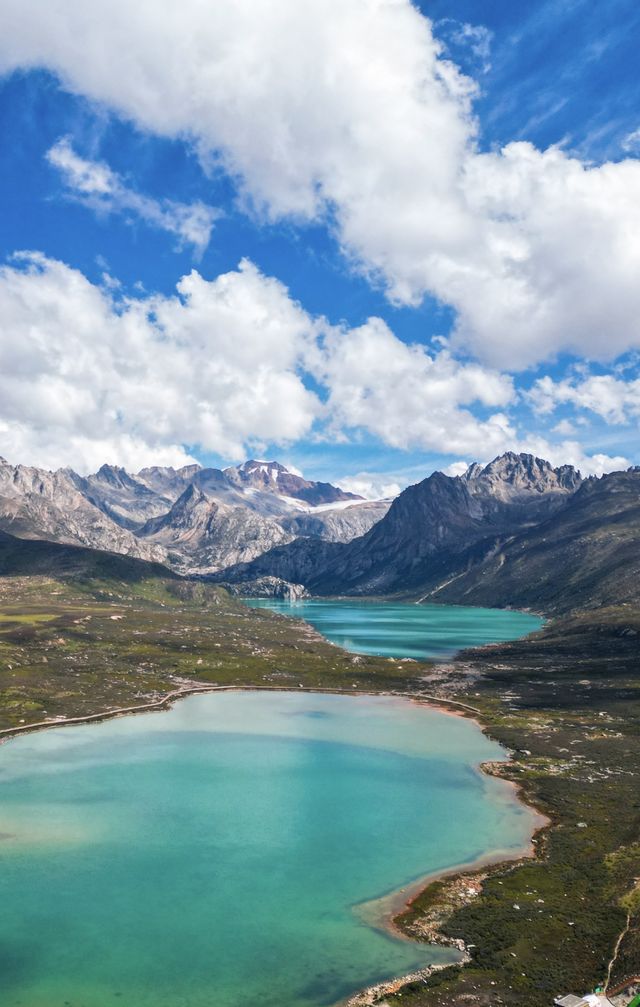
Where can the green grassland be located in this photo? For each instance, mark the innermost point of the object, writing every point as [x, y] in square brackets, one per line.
[76, 648]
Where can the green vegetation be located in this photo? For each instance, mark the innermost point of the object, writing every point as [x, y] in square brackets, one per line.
[76, 647]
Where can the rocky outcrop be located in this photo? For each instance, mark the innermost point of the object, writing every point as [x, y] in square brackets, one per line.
[268, 587]
[514, 479]
[201, 535]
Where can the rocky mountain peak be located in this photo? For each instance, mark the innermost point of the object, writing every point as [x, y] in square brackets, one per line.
[192, 496]
[273, 477]
[474, 470]
[258, 474]
[511, 475]
[113, 475]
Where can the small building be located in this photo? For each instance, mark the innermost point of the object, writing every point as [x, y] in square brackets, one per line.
[588, 1000]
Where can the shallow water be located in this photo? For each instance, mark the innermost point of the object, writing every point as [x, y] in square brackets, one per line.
[396, 629]
[213, 854]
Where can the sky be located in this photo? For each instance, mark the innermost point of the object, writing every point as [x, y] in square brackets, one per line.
[364, 237]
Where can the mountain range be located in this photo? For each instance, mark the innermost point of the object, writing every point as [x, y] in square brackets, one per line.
[195, 520]
[516, 532]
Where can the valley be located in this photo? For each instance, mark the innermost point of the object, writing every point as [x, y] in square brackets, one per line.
[320, 504]
[85, 632]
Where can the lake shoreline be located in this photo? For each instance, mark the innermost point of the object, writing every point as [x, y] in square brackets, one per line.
[387, 912]
[167, 701]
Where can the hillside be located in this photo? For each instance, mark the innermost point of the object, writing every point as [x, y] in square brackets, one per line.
[517, 532]
[85, 633]
[427, 529]
[35, 558]
[585, 556]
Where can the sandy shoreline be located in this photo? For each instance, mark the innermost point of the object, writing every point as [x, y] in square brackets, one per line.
[462, 709]
[382, 913]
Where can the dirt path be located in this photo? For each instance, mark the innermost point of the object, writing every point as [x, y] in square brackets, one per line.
[616, 951]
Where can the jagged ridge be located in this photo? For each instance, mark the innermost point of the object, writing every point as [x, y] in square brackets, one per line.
[198, 520]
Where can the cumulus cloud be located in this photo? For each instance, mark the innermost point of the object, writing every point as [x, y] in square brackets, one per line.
[94, 184]
[560, 254]
[52, 448]
[226, 366]
[407, 396]
[84, 378]
[613, 399]
[222, 366]
[371, 485]
[348, 111]
[456, 469]
[564, 428]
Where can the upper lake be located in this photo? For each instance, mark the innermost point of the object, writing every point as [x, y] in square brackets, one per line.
[217, 853]
[396, 629]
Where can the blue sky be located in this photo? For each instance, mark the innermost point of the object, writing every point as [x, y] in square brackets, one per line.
[518, 304]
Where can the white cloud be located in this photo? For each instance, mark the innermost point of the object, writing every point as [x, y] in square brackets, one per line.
[84, 378]
[408, 397]
[48, 448]
[631, 142]
[347, 110]
[613, 399]
[371, 485]
[560, 257]
[456, 469]
[475, 37]
[564, 428]
[220, 366]
[95, 185]
[87, 376]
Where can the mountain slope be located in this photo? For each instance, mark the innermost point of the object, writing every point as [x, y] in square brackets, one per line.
[426, 529]
[58, 507]
[201, 535]
[515, 534]
[585, 556]
[31, 557]
[197, 519]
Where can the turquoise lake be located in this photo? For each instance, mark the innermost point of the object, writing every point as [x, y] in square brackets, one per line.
[220, 853]
[399, 629]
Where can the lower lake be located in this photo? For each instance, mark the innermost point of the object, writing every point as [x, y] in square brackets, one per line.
[219, 853]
